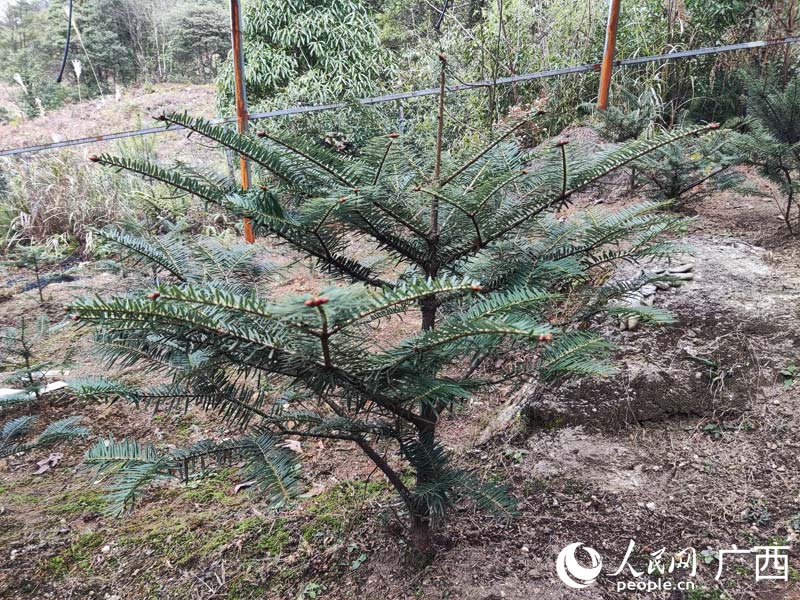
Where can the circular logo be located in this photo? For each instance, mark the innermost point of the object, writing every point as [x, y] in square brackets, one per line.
[572, 573]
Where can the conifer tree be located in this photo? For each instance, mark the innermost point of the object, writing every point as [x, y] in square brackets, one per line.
[769, 139]
[21, 367]
[478, 256]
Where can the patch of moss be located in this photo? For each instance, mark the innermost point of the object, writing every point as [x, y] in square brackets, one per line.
[245, 590]
[183, 427]
[273, 540]
[701, 594]
[182, 540]
[22, 499]
[77, 502]
[224, 536]
[76, 555]
[211, 489]
[174, 539]
[338, 507]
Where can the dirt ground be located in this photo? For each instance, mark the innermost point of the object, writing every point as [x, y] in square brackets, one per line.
[694, 444]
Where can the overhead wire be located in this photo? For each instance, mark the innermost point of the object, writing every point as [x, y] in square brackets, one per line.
[392, 97]
[66, 43]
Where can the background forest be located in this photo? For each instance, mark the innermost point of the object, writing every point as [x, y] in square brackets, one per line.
[315, 52]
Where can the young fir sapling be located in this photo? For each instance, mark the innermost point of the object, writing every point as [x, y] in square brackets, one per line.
[482, 266]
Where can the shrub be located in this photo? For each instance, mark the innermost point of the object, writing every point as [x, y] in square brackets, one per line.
[683, 171]
[631, 117]
[769, 138]
[482, 267]
[35, 258]
[308, 51]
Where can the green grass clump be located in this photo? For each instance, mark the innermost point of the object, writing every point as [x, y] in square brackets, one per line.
[338, 506]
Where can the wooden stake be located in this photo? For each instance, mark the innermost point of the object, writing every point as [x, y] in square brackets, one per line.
[242, 118]
[437, 165]
[608, 54]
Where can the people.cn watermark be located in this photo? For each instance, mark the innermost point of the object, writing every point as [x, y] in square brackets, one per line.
[578, 566]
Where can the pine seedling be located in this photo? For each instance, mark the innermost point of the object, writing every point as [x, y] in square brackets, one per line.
[23, 369]
[33, 257]
[689, 169]
[769, 139]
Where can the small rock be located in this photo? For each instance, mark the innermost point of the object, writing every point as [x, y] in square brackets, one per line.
[648, 289]
[685, 268]
[525, 549]
[651, 506]
[105, 549]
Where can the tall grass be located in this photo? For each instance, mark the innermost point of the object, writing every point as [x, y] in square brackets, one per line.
[55, 198]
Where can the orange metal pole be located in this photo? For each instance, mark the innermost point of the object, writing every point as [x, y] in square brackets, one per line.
[242, 118]
[608, 54]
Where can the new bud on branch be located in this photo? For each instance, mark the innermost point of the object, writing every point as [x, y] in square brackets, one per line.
[317, 301]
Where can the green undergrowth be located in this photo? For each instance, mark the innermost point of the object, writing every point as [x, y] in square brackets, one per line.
[339, 507]
[77, 556]
[271, 551]
[167, 534]
[74, 503]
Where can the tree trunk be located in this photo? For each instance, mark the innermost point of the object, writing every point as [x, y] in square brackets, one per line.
[421, 536]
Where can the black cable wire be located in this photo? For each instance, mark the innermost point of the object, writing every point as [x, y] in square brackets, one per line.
[441, 15]
[66, 44]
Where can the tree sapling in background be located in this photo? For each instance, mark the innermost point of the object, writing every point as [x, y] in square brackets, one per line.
[22, 368]
[36, 258]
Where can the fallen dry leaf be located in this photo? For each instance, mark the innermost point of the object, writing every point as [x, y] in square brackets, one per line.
[294, 446]
[315, 490]
[243, 486]
[48, 463]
